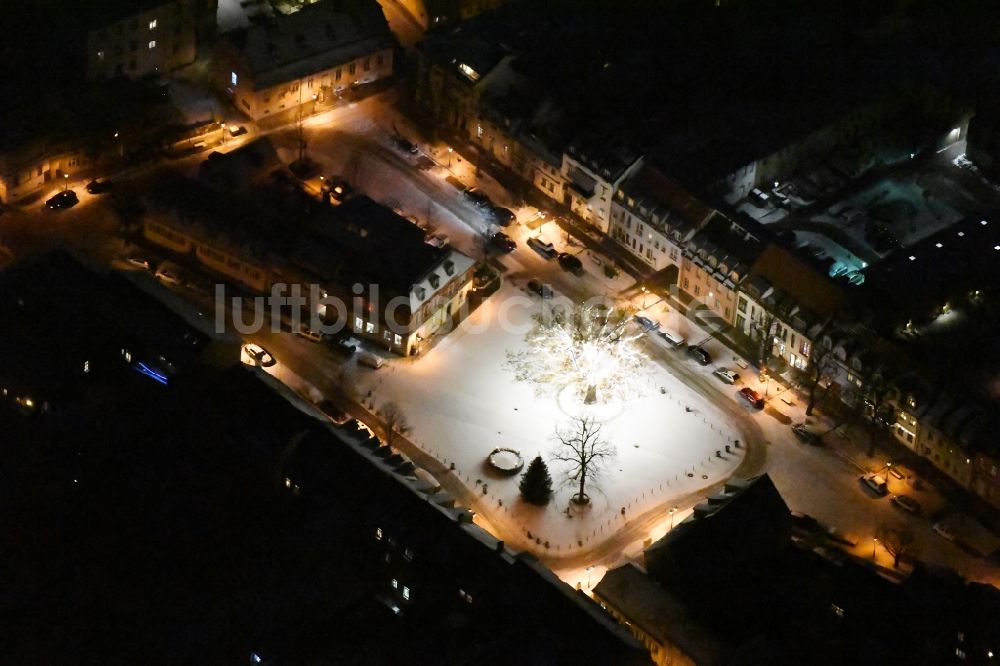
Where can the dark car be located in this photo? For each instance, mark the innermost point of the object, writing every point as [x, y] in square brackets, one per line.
[539, 288]
[753, 398]
[502, 216]
[906, 503]
[237, 131]
[347, 345]
[99, 186]
[477, 197]
[405, 146]
[334, 413]
[64, 199]
[805, 435]
[699, 354]
[646, 323]
[569, 262]
[503, 242]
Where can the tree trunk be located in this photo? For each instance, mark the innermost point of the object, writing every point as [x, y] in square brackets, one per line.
[581, 496]
[591, 396]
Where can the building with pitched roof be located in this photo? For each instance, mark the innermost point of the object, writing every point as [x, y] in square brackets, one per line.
[313, 55]
[652, 216]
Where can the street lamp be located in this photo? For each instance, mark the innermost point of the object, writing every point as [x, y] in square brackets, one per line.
[644, 292]
[315, 96]
[874, 544]
[589, 569]
[223, 126]
[888, 469]
[65, 182]
[673, 510]
[450, 150]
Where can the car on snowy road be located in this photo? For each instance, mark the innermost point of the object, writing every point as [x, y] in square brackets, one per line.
[539, 288]
[726, 375]
[752, 398]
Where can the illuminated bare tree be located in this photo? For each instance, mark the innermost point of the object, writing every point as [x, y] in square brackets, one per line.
[585, 451]
[588, 346]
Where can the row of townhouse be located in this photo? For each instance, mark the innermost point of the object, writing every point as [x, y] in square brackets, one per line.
[800, 316]
[735, 269]
[476, 89]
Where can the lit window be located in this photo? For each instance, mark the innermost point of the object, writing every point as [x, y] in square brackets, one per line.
[233, 78]
[369, 327]
[398, 340]
[479, 131]
[152, 43]
[378, 533]
[127, 355]
[100, 55]
[938, 245]
[406, 593]
[395, 584]
[408, 555]
[86, 366]
[912, 258]
[359, 324]
[152, 24]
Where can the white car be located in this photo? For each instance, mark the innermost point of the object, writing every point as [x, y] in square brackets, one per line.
[259, 355]
[726, 375]
[946, 531]
[139, 262]
[168, 275]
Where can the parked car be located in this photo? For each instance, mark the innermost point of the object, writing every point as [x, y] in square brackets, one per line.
[752, 398]
[370, 360]
[502, 216]
[906, 503]
[547, 250]
[645, 323]
[238, 130]
[139, 262]
[334, 413]
[726, 375]
[503, 242]
[478, 197]
[168, 274]
[99, 186]
[259, 355]
[945, 531]
[64, 199]
[699, 354]
[541, 289]
[337, 188]
[405, 145]
[875, 483]
[309, 334]
[437, 240]
[805, 435]
[569, 262]
[347, 344]
[671, 338]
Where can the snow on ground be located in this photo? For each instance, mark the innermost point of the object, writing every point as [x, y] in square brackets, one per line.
[912, 207]
[461, 403]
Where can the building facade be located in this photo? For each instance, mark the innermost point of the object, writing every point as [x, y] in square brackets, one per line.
[147, 38]
[652, 217]
[298, 60]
